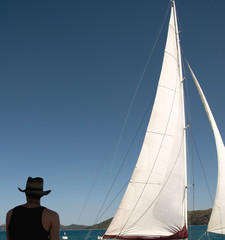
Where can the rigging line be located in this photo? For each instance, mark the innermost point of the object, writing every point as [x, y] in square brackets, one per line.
[110, 204]
[191, 161]
[193, 175]
[153, 166]
[89, 194]
[203, 170]
[93, 184]
[141, 78]
[132, 101]
[186, 99]
[161, 188]
[188, 116]
[157, 194]
[188, 111]
[207, 234]
[88, 234]
[131, 144]
[204, 234]
[88, 197]
[192, 136]
[175, 92]
[125, 157]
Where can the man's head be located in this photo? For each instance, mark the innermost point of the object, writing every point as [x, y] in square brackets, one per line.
[34, 188]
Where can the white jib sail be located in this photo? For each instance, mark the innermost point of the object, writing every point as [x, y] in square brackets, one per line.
[217, 219]
[154, 204]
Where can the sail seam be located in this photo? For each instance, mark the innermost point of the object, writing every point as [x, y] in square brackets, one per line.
[172, 28]
[171, 55]
[146, 183]
[173, 90]
[166, 180]
[159, 133]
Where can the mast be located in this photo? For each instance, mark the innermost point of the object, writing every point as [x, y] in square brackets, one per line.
[182, 95]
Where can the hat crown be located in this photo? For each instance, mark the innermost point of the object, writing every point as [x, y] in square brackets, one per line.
[35, 184]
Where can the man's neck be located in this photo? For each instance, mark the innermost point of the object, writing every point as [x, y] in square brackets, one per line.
[33, 202]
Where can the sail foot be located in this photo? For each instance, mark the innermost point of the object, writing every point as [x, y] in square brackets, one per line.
[182, 234]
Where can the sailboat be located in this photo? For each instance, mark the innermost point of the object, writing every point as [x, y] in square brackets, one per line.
[64, 237]
[154, 205]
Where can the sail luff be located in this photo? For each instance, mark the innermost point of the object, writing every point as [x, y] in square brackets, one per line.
[182, 95]
[154, 203]
[217, 219]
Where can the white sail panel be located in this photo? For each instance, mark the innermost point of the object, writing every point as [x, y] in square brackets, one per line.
[155, 200]
[217, 219]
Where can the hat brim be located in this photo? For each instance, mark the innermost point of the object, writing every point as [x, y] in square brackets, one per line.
[40, 193]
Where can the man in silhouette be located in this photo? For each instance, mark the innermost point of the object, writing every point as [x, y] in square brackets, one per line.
[31, 220]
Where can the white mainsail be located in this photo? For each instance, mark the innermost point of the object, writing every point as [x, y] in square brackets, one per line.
[154, 205]
[217, 219]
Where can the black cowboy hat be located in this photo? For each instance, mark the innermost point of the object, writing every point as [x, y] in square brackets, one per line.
[35, 186]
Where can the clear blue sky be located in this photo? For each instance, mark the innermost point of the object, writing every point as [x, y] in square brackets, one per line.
[69, 70]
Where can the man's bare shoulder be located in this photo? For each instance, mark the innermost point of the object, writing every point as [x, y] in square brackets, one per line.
[50, 221]
[10, 211]
[50, 213]
[8, 216]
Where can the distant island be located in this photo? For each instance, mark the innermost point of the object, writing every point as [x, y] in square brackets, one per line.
[199, 217]
[102, 225]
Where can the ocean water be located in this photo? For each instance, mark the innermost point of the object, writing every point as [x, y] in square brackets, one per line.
[195, 233]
